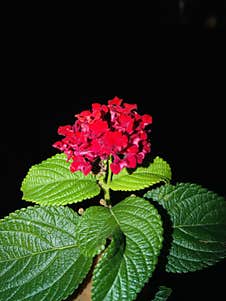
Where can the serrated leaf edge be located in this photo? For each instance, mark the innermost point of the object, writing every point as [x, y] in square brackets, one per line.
[145, 170]
[46, 203]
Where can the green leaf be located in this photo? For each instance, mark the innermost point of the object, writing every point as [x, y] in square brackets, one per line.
[142, 177]
[95, 226]
[107, 272]
[39, 255]
[52, 183]
[199, 225]
[132, 255]
[163, 293]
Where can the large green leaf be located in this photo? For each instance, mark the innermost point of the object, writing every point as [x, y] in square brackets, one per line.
[107, 276]
[199, 225]
[39, 255]
[131, 257]
[96, 225]
[52, 183]
[142, 177]
[163, 294]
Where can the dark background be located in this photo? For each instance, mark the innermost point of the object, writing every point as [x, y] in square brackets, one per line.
[175, 74]
[207, 14]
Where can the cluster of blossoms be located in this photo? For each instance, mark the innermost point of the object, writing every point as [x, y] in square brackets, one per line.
[115, 130]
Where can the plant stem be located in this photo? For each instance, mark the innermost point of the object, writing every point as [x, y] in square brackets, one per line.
[107, 187]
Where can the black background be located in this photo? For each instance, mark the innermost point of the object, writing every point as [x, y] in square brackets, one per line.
[177, 77]
[195, 13]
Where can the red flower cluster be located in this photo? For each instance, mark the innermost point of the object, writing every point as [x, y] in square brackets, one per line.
[107, 130]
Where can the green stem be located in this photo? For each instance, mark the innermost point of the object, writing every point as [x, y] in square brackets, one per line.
[107, 187]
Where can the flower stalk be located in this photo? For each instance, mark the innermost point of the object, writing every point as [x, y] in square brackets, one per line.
[109, 176]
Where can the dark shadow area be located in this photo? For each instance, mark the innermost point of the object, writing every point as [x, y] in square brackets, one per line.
[198, 14]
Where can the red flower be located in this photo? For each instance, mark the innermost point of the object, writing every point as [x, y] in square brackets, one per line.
[115, 130]
[113, 142]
